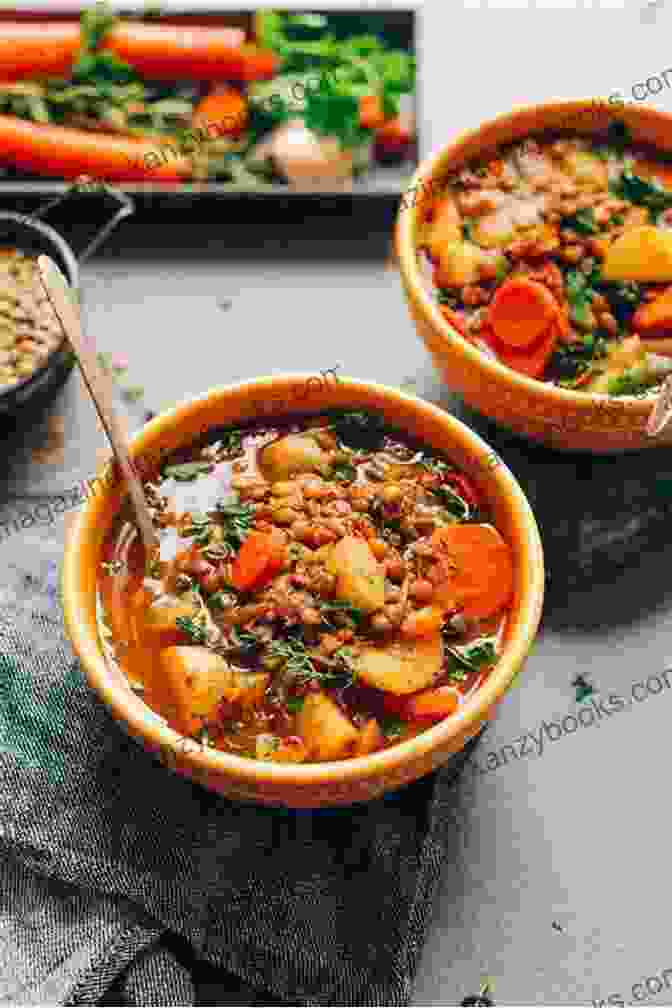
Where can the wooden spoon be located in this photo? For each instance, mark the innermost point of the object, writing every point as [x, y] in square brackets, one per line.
[98, 383]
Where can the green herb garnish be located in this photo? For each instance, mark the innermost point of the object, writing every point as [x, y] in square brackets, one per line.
[235, 520]
[353, 614]
[244, 642]
[193, 630]
[642, 192]
[231, 440]
[579, 295]
[358, 429]
[393, 727]
[344, 472]
[452, 501]
[294, 704]
[470, 659]
[583, 221]
[635, 381]
[187, 471]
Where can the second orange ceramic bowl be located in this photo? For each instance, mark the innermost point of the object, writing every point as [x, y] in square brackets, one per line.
[559, 417]
[315, 784]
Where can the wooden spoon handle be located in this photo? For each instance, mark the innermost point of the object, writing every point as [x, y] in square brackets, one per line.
[100, 389]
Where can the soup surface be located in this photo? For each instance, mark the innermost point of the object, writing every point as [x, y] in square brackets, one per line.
[325, 588]
[554, 255]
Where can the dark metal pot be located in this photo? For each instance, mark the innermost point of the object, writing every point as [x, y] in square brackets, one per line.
[32, 236]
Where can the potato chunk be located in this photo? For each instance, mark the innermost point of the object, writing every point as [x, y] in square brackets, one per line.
[159, 626]
[587, 170]
[459, 263]
[643, 254]
[402, 667]
[446, 225]
[295, 453]
[359, 578]
[328, 734]
[199, 679]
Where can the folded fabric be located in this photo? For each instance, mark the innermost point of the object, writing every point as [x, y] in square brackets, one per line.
[104, 853]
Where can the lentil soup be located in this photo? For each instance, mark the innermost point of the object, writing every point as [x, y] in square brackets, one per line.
[325, 588]
[553, 255]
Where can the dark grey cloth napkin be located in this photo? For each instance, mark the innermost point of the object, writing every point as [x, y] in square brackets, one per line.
[117, 876]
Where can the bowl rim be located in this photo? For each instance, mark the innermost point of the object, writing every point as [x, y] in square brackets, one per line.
[431, 169]
[131, 710]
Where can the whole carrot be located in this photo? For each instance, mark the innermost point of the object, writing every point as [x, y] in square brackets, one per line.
[170, 52]
[156, 51]
[68, 153]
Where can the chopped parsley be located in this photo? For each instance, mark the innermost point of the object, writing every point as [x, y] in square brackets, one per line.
[357, 429]
[192, 629]
[634, 381]
[235, 520]
[344, 472]
[353, 614]
[246, 643]
[579, 295]
[452, 501]
[470, 659]
[583, 222]
[296, 661]
[393, 727]
[623, 298]
[187, 471]
[642, 192]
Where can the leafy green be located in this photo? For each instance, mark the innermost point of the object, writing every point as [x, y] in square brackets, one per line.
[623, 299]
[353, 614]
[358, 429]
[344, 472]
[246, 643]
[393, 727]
[635, 381]
[235, 520]
[579, 295]
[333, 110]
[452, 501]
[642, 192]
[194, 631]
[187, 471]
[91, 64]
[583, 221]
[294, 704]
[231, 440]
[471, 658]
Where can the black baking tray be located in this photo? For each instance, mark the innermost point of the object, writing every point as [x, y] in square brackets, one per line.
[389, 180]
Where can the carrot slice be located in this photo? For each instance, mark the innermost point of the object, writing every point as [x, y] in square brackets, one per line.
[478, 568]
[260, 557]
[531, 362]
[370, 739]
[521, 311]
[224, 114]
[433, 704]
[371, 115]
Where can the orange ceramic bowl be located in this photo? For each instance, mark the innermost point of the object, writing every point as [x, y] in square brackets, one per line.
[559, 417]
[316, 784]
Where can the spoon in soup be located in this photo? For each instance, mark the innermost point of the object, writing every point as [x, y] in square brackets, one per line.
[97, 382]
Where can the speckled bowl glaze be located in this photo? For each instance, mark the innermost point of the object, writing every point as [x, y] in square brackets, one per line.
[317, 784]
[559, 417]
